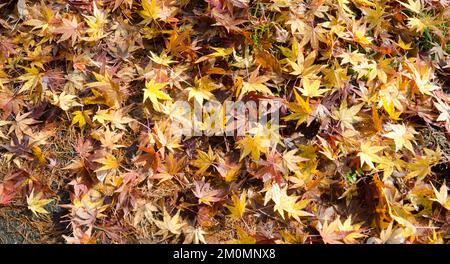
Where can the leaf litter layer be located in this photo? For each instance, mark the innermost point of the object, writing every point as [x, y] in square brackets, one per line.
[89, 154]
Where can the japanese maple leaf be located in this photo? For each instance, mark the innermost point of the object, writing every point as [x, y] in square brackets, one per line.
[421, 166]
[149, 158]
[153, 92]
[237, 208]
[202, 90]
[368, 154]
[12, 183]
[337, 232]
[21, 125]
[10, 102]
[227, 170]
[243, 237]
[32, 78]
[403, 45]
[311, 88]
[65, 101]
[79, 117]
[291, 160]
[227, 21]
[7, 193]
[109, 139]
[109, 165]
[109, 162]
[194, 235]
[2, 123]
[422, 74]
[96, 24]
[253, 145]
[286, 203]
[168, 169]
[444, 110]
[239, 3]
[7, 48]
[110, 90]
[116, 118]
[255, 83]
[170, 225]
[415, 6]
[204, 160]
[80, 236]
[162, 59]
[155, 10]
[347, 116]
[205, 193]
[442, 196]
[83, 147]
[150, 10]
[117, 3]
[301, 110]
[402, 136]
[166, 138]
[36, 204]
[70, 29]
[296, 60]
[271, 168]
[389, 235]
[220, 53]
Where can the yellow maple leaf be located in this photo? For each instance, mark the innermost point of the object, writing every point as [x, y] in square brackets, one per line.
[170, 225]
[327, 151]
[337, 232]
[165, 138]
[311, 88]
[422, 73]
[80, 118]
[202, 89]
[368, 154]
[162, 59]
[220, 53]
[153, 92]
[442, 196]
[96, 24]
[387, 165]
[253, 145]
[150, 10]
[300, 109]
[291, 160]
[422, 165]
[32, 78]
[36, 204]
[285, 203]
[116, 118]
[389, 107]
[243, 237]
[109, 162]
[415, 6]
[237, 209]
[359, 33]
[403, 45]
[255, 83]
[65, 101]
[402, 136]
[228, 171]
[108, 90]
[347, 116]
[37, 152]
[204, 160]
